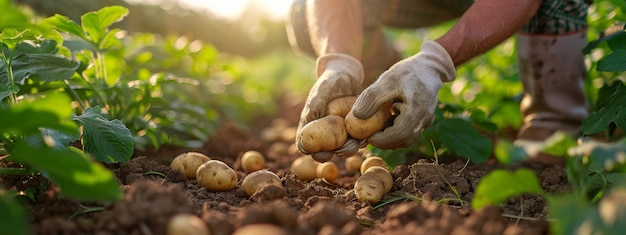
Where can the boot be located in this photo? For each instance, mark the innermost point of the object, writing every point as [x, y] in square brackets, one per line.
[552, 71]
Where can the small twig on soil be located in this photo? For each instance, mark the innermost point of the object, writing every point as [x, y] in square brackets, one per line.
[464, 167]
[85, 211]
[526, 218]
[395, 199]
[444, 200]
[521, 211]
[454, 190]
[145, 229]
[156, 173]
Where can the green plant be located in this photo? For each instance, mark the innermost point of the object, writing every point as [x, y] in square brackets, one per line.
[596, 170]
[38, 127]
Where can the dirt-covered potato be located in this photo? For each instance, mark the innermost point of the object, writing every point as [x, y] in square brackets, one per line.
[373, 184]
[305, 168]
[186, 224]
[252, 161]
[215, 175]
[353, 163]
[383, 174]
[340, 106]
[324, 134]
[327, 171]
[372, 161]
[187, 163]
[364, 128]
[258, 179]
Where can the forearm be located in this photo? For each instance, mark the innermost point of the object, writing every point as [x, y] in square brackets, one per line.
[335, 26]
[486, 24]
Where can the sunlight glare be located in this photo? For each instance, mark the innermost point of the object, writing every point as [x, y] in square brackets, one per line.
[231, 9]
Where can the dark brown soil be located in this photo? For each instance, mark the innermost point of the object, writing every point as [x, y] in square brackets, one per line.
[426, 198]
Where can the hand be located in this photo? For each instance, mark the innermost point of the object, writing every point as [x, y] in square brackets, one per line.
[412, 84]
[339, 75]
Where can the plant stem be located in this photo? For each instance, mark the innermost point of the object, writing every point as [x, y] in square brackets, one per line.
[81, 103]
[7, 63]
[101, 77]
[95, 90]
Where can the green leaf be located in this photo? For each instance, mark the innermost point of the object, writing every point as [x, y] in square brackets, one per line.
[108, 141]
[571, 212]
[612, 112]
[64, 24]
[27, 117]
[617, 41]
[6, 90]
[40, 61]
[44, 67]
[11, 16]
[461, 138]
[77, 175]
[558, 144]
[110, 41]
[499, 185]
[614, 62]
[602, 156]
[11, 37]
[53, 138]
[96, 23]
[612, 211]
[507, 153]
[393, 157]
[13, 215]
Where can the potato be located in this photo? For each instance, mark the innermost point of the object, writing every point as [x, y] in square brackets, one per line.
[324, 134]
[373, 185]
[252, 161]
[278, 148]
[353, 163]
[327, 171]
[187, 163]
[340, 106]
[293, 150]
[364, 128]
[256, 229]
[305, 168]
[383, 174]
[186, 224]
[258, 179]
[215, 175]
[289, 134]
[372, 161]
[270, 134]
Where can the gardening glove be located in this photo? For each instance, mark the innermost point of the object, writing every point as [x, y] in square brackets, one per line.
[412, 84]
[338, 75]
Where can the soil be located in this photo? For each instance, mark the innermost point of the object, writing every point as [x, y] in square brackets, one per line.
[426, 198]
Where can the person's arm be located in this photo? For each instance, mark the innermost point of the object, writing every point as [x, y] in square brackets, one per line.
[335, 26]
[484, 25]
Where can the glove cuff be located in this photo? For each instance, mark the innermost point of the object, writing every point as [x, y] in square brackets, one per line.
[341, 63]
[436, 54]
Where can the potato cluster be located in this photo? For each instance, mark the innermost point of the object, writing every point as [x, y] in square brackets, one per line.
[331, 132]
[216, 175]
[306, 169]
